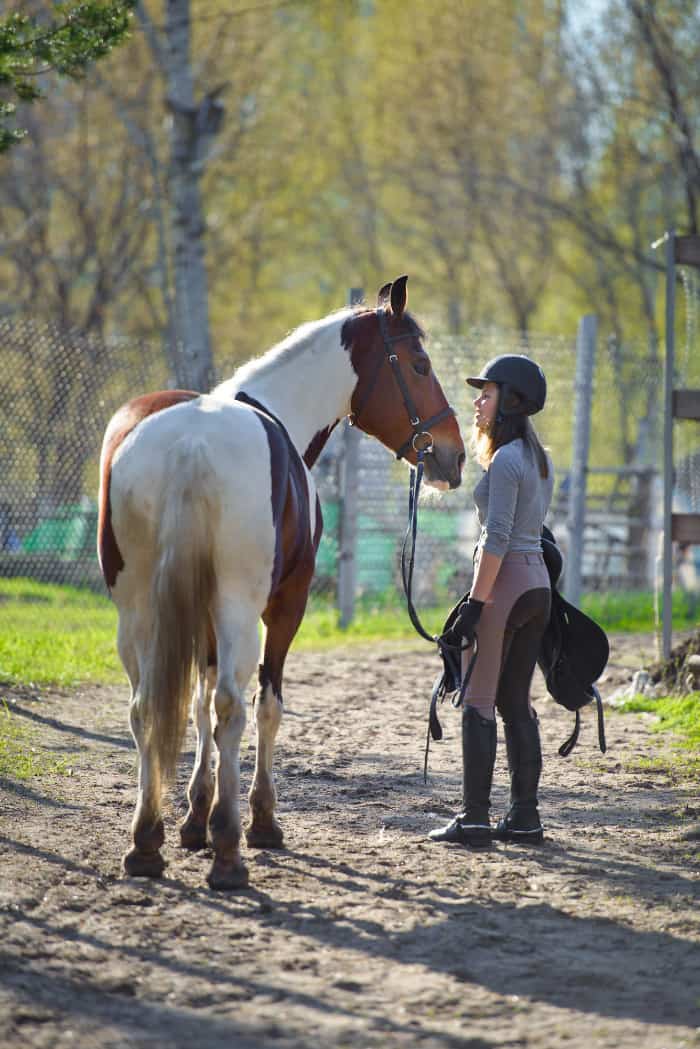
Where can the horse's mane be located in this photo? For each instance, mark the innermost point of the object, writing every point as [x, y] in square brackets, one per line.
[296, 343]
[284, 353]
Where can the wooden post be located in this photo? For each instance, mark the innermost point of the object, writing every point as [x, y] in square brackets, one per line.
[669, 369]
[678, 404]
[347, 515]
[583, 397]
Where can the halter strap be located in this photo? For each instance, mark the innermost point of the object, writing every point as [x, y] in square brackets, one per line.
[419, 427]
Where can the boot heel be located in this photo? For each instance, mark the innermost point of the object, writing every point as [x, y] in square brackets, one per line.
[461, 831]
[521, 824]
[520, 827]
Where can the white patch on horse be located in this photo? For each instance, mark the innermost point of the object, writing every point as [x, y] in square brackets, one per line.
[311, 488]
[307, 380]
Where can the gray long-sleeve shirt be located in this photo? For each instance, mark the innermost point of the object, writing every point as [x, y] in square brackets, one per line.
[512, 500]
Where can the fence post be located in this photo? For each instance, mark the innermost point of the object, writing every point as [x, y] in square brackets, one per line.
[669, 371]
[347, 516]
[576, 519]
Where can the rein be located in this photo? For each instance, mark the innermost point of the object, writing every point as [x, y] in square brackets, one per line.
[421, 441]
[451, 654]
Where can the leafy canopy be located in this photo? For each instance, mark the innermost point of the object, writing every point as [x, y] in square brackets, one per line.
[76, 33]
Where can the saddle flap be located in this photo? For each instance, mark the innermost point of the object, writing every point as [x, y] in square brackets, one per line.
[585, 643]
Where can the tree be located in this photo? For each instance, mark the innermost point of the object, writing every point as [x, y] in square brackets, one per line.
[66, 41]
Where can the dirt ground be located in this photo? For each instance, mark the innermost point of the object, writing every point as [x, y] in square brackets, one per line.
[361, 932]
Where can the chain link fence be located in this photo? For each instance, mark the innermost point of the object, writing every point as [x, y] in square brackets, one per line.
[62, 387]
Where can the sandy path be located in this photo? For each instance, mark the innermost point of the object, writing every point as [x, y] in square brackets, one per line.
[361, 933]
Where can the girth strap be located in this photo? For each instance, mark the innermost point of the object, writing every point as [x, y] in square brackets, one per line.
[569, 744]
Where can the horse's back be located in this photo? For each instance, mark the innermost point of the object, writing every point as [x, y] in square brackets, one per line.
[201, 453]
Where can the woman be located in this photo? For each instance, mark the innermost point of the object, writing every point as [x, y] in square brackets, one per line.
[509, 603]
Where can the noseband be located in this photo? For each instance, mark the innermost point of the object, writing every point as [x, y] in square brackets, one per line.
[421, 439]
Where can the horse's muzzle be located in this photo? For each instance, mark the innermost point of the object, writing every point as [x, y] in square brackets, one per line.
[443, 467]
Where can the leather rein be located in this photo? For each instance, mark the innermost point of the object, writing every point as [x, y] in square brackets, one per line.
[421, 441]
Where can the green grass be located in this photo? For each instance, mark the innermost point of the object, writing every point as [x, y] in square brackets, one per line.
[633, 612]
[21, 757]
[56, 635]
[677, 714]
[63, 636]
[377, 618]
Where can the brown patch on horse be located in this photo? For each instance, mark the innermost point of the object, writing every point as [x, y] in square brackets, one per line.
[289, 491]
[317, 444]
[319, 525]
[377, 404]
[120, 426]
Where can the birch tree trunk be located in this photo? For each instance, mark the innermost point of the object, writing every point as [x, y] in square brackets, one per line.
[189, 135]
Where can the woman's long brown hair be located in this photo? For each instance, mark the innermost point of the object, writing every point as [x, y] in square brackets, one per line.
[485, 443]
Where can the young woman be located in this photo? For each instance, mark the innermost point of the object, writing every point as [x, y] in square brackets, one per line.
[509, 603]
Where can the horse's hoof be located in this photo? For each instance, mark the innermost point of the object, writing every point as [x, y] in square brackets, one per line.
[226, 877]
[267, 835]
[193, 835]
[143, 864]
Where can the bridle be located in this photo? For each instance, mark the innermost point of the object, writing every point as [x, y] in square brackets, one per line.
[421, 439]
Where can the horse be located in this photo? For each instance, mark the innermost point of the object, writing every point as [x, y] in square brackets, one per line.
[209, 521]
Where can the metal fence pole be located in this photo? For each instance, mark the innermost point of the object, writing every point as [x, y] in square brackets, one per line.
[668, 442]
[576, 518]
[347, 516]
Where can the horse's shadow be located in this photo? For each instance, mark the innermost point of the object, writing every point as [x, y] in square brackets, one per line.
[122, 740]
[534, 951]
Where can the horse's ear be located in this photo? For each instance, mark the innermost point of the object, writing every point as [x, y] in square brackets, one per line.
[383, 294]
[398, 295]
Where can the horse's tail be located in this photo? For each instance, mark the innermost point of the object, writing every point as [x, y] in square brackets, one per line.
[182, 596]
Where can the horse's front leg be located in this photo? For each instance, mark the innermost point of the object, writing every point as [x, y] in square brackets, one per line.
[193, 830]
[282, 618]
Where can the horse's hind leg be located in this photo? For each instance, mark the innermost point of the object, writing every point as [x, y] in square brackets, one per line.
[282, 618]
[237, 648]
[144, 858]
[193, 831]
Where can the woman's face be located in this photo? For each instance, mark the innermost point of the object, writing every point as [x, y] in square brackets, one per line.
[486, 406]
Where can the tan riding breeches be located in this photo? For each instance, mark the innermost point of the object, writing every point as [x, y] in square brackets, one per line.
[509, 632]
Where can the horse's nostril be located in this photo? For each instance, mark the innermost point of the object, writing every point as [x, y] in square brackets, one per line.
[460, 460]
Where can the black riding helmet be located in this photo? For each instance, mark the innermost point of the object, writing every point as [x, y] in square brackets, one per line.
[517, 374]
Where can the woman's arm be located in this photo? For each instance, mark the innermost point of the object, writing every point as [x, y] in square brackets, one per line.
[485, 577]
[505, 475]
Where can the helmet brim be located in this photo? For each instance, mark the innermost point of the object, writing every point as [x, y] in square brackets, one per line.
[474, 380]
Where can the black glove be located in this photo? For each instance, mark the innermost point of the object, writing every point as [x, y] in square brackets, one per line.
[463, 629]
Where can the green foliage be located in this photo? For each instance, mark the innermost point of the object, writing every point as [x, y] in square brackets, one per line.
[77, 34]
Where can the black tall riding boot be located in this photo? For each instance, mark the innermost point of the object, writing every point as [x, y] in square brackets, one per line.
[522, 821]
[472, 826]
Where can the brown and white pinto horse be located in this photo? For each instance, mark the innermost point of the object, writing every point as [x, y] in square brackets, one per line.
[209, 521]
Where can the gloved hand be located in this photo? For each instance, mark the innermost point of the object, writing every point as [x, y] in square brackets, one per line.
[464, 627]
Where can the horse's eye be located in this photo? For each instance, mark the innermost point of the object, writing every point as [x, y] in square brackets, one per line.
[421, 367]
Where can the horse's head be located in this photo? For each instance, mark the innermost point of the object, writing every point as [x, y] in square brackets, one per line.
[398, 398]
